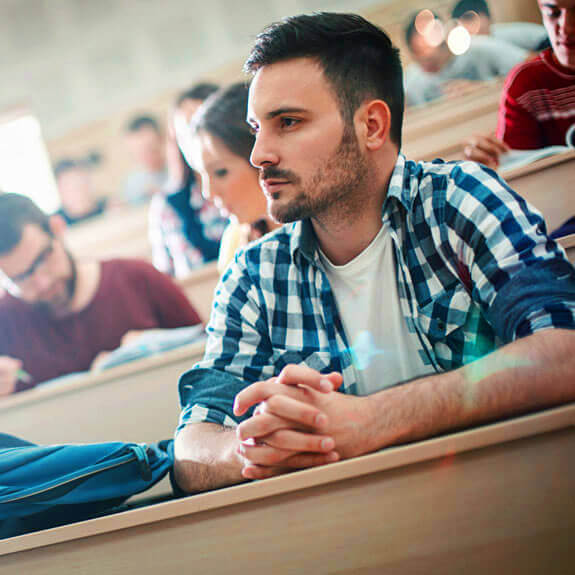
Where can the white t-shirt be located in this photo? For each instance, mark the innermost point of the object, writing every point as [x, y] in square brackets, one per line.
[365, 290]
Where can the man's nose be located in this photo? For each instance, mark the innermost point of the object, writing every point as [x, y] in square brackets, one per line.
[263, 153]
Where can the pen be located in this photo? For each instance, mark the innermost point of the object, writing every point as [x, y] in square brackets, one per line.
[24, 376]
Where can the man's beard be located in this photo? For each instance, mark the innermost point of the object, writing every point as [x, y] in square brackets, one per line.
[61, 307]
[335, 188]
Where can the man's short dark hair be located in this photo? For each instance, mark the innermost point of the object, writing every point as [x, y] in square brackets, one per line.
[358, 59]
[17, 211]
[223, 115]
[138, 123]
[201, 91]
[464, 6]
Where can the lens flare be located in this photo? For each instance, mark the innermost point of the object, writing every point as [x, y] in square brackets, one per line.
[459, 40]
[471, 21]
[485, 367]
[435, 35]
[364, 350]
[423, 20]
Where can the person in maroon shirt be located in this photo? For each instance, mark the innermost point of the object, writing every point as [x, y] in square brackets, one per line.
[538, 103]
[59, 313]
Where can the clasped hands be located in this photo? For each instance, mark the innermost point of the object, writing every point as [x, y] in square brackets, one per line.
[300, 421]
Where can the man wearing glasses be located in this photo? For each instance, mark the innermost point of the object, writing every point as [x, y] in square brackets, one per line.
[59, 314]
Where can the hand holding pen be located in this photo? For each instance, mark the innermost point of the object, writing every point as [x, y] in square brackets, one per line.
[10, 373]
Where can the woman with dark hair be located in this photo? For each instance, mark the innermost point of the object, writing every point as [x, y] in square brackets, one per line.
[219, 150]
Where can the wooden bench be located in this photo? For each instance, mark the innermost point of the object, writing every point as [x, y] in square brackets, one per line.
[136, 401]
[549, 185]
[496, 499]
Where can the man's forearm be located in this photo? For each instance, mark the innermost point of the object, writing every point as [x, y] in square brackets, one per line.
[533, 373]
[206, 457]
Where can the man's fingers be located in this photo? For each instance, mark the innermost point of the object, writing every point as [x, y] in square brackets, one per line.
[299, 461]
[261, 425]
[262, 454]
[294, 410]
[297, 441]
[291, 376]
[254, 394]
[304, 375]
[485, 149]
[305, 460]
[261, 391]
[496, 144]
[478, 155]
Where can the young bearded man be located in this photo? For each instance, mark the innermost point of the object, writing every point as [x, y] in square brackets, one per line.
[61, 313]
[432, 275]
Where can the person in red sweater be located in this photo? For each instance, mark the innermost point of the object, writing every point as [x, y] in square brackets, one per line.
[60, 313]
[538, 102]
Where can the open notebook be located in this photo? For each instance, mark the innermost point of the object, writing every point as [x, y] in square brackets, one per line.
[518, 158]
[152, 343]
[148, 344]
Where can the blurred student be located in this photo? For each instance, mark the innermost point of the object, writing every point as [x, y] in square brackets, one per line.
[475, 16]
[145, 144]
[78, 198]
[61, 313]
[538, 102]
[220, 149]
[185, 229]
[435, 67]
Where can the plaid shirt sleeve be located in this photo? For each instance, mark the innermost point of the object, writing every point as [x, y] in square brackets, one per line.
[238, 350]
[499, 247]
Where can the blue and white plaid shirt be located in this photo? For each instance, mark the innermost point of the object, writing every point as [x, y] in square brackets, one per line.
[475, 270]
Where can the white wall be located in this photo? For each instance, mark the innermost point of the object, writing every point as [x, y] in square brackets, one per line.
[76, 61]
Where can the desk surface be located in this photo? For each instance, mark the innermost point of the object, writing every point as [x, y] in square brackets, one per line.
[538, 166]
[91, 379]
[541, 423]
[548, 185]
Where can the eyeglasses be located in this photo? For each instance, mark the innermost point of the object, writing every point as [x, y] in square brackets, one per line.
[40, 263]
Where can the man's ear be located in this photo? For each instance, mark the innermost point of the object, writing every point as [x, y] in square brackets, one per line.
[375, 117]
[57, 225]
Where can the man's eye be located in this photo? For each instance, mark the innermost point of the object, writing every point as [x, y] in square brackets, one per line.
[221, 173]
[553, 12]
[288, 122]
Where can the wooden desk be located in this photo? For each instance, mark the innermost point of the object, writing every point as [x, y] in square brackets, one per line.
[199, 286]
[549, 185]
[441, 130]
[137, 401]
[496, 499]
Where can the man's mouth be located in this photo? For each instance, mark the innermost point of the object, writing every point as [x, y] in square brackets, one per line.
[272, 186]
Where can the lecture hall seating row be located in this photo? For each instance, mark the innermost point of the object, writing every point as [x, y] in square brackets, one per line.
[495, 499]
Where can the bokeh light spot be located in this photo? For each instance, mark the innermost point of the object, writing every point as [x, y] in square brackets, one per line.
[459, 40]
